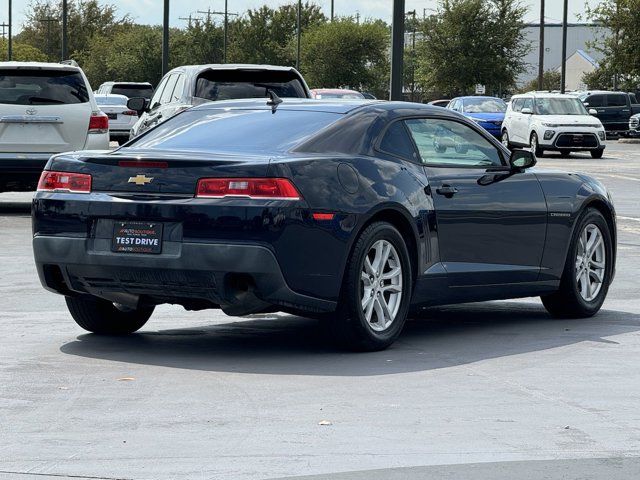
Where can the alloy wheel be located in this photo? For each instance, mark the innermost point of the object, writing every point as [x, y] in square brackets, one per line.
[590, 262]
[381, 285]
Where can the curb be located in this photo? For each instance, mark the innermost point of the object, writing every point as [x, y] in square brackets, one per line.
[633, 141]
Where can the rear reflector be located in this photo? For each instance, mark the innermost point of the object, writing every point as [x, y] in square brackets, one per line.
[98, 123]
[260, 188]
[64, 182]
[323, 217]
[142, 164]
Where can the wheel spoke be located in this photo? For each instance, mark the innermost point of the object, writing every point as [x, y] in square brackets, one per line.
[391, 274]
[369, 310]
[595, 245]
[579, 272]
[595, 264]
[368, 267]
[586, 279]
[598, 274]
[385, 308]
[382, 320]
[366, 278]
[392, 288]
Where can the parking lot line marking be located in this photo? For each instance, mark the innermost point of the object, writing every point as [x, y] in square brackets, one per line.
[623, 177]
[633, 219]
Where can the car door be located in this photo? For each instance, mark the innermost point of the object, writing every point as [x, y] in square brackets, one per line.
[524, 121]
[491, 221]
[618, 111]
[512, 121]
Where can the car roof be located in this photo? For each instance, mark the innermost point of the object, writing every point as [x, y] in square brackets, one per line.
[110, 95]
[116, 82]
[39, 66]
[333, 90]
[544, 95]
[340, 106]
[232, 66]
[476, 96]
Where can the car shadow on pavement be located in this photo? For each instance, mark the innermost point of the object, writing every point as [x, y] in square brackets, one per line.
[288, 345]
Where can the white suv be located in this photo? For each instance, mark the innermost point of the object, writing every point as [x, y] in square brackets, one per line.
[45, 108]
[551, 121]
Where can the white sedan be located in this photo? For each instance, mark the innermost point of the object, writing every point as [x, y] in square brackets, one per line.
[121, 117]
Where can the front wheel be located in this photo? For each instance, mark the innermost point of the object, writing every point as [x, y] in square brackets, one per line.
[102, 317]
[597, 153]
[505, 140]
[535, 145]
[376, 291]
[587, 271]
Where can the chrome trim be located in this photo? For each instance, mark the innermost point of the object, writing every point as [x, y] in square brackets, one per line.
[30, 119]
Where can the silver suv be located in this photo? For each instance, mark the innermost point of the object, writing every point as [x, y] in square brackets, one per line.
[45, 108]
[191, 85]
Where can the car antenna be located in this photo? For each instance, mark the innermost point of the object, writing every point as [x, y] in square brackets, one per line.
[274, 100]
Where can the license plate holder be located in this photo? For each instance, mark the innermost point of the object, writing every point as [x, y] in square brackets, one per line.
[137, 237]
[112, 116]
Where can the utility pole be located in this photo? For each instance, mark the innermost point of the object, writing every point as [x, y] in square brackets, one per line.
[65, 47]
[187, 19]
[4, 31]
[541, 52]
[357, 17]
[298, 33]
[332, 10]
[397, 50]
[9, 49]
[226, 14]
[413, 56]
[563, 75]
[165, 38]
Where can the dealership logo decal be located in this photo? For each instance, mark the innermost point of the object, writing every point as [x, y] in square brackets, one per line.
[140, 179]
[31, 111]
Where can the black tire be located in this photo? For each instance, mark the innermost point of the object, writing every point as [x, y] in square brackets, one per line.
[505, 139]
[533, 140]
[567, 301]
[597, 153]
[348, 326]
[102, 317]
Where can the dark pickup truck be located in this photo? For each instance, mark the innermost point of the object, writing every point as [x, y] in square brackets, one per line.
[614, 109]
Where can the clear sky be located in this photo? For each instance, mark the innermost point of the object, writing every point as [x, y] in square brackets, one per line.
[150, 11]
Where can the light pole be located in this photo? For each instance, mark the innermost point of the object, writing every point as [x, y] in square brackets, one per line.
[299, 26]
[65, 47]
[397, 50]
[332, 10]
[563, 74]
[165, 38]
[541, 52]
[9, 45]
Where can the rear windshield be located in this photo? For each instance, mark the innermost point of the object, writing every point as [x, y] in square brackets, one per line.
[218, 130]
[42, 87]
[231, 85]
[132, 91]
[111, 100]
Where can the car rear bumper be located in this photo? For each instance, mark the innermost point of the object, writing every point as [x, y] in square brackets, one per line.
[241, 278]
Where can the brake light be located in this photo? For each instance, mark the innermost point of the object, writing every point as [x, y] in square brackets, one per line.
[131, 113]
[64, 182]
[98, 123]
[267, 188]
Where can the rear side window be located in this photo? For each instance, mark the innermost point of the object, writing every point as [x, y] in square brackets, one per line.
[397, 141]
[232, 84]
[168, 90]
[42, 87]
[616, 100]
[517, 104]
[133, 90]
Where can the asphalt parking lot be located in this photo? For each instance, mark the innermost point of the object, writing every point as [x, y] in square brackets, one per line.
[494, 390]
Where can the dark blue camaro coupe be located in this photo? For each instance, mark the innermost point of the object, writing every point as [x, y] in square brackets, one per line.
[353, 212]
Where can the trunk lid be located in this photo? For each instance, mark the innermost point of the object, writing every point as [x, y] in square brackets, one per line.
[156, 172]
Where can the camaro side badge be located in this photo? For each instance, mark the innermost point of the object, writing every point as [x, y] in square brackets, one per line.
[559, 214]
[140, 179]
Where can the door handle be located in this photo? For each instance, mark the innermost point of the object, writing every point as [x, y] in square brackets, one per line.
[447, 190]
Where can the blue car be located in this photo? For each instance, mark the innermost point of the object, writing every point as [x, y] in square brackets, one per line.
[488, 112]
[357, 212]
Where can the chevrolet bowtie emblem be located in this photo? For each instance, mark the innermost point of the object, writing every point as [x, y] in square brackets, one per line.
[140, 179]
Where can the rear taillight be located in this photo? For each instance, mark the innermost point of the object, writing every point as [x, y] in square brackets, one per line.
[64, 182]
[264, 188]
[98, 123]
[131, 113]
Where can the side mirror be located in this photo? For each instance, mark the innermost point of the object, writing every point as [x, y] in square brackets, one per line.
[586, 104]
[593, 111]
[138, 104]
[522, 159]
[526, 111]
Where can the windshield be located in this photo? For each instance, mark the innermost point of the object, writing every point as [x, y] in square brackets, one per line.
[343, 95]
[484, 105]
[220, 130]
[132, 91]
[42, 87]
[559, 106]
[232, 85]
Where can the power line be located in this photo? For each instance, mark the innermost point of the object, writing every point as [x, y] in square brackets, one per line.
[208, 12]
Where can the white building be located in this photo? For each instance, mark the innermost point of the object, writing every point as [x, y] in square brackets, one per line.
[577, 65]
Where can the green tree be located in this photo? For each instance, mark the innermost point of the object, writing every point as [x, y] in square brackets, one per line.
[22, 52]
[344, 53]
[619, 44]
[467, 42]
[550, 81]
[265, 35]
[88, 21]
